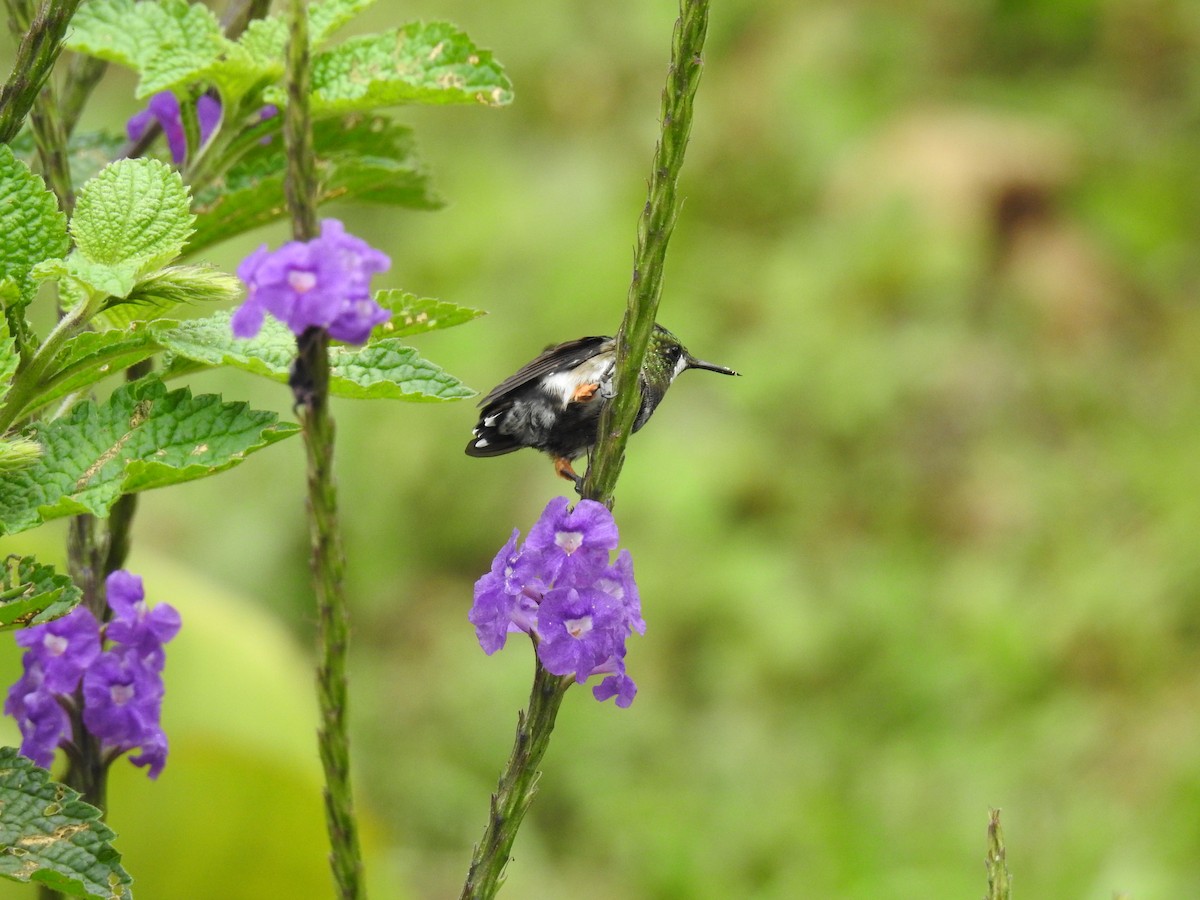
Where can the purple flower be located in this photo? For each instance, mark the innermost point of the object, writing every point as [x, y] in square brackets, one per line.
[43, 722]
[134, 624]
[163, 108]
[580, 630]
[119, 690]
[322, 283]
[122, 701]
[560, 588]
[62, 649]
[573, 543]
[154, 752]
[620, 686]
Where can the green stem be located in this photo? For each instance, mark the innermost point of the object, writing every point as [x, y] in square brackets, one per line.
[29, 379]
[83, 74]
[36, 56]
[518, 784]
[311, 385]
[653, 234]
[999, 880]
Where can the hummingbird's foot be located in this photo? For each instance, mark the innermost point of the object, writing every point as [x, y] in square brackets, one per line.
[562, 466]
[584, 392]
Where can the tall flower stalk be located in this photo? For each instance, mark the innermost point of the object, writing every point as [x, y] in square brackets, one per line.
[518, 781]
[310, 383]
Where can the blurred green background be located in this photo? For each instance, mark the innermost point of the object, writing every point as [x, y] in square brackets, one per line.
[935, 552]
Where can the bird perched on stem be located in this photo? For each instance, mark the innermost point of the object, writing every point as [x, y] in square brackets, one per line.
[553, 403]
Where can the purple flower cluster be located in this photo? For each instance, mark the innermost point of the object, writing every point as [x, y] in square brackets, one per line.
[561, 589]
[164, 109]
[322, 283]
[120, 688]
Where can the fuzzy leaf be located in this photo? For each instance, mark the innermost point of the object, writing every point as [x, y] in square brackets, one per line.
[431, 63]
[134, 211]
[49, 836]
[169, 43]
[89, 357]
[9, 358]
[382, 369]
[416, 315]
[143, 437]
[167, 289]
[31, 594]
[358, 159]
[33, 227]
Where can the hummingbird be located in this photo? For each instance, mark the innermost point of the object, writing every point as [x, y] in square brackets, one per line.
[553, 403]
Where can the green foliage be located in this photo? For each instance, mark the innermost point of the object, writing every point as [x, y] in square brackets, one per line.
[143, 437]
[170, 44]
[416, 315]
[419, 63]
[167, 289]
[89, 357]
[129, 220]
[31, 594]
[33, 227]
[369, 159]
[383, 369]
[49, 836]
[10, 358]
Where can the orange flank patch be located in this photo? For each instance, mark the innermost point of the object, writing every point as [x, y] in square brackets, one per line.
[585, 392]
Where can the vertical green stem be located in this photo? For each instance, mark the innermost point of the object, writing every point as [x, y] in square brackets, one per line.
[999, 880]
[311, 385]
[653, 234]
[518, 782]
[36, 56]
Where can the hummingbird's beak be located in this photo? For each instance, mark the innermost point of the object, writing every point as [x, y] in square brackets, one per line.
[694, 363]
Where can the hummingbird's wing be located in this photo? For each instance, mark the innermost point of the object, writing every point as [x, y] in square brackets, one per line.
[558, 358]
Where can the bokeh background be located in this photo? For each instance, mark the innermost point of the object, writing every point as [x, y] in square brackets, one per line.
[936, 552]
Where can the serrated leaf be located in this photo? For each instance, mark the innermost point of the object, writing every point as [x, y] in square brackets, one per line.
[418, 63]
[31, 593]
[382, 369]
[34, 228]
[130, 219]
[387, 369]
[360, 159]
[416, 315]
[89, 357]
[50, 836]
[169, 43]
[142, 437]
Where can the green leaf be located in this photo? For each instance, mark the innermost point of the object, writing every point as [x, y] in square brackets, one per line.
[266, 39]
[143, 437]
[134, 212]
[419, 63]
[382, 369]
[9, 358]
[416, 315]
[31, 594]
[169, 43]
[386, 368]
[369, 159]
[18, 453]
[167, 289]
[33, 227]
[49, 836]
[88, 358]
